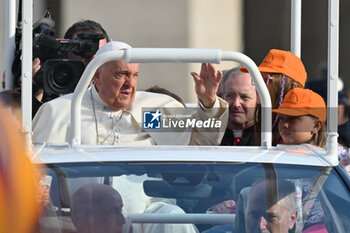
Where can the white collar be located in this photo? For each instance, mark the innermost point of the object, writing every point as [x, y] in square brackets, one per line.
[96, 97]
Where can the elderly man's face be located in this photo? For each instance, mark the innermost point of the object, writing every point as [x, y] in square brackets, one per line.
[241, 96]
[275, 219]
[116, 83]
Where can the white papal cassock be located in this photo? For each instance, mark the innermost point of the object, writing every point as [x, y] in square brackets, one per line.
[102, 125]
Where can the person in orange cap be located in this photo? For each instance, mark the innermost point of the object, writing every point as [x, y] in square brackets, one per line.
[19, 179]
[302, 117]
[282, 71]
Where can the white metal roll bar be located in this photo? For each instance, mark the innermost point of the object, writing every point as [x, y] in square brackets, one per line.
[332, 83]
[158, 55]
[295, 29]
[332, 68]
[27, 51]
[333, 53]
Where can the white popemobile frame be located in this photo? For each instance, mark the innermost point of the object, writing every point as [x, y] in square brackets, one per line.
[154, 55]
[147, 55]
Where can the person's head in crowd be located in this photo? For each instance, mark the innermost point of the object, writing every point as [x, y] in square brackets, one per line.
[282, 71]
[85, 26]
[343, 108]
[241, 95]
[11, 101]
[320, 87]
[97, 208]
[19, 209]
[161, 90]
[302, 117]
[116, 81]
[271, 207]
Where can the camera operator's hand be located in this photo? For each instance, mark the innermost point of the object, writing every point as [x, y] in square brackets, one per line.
[36, 66]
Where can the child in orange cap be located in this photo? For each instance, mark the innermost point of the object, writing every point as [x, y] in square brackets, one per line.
[282, 71]
[302, 117]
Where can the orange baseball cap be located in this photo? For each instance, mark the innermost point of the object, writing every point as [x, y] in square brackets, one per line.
[283, 62]
[301, 102]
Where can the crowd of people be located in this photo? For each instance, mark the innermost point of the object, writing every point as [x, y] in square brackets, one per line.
[111, 114]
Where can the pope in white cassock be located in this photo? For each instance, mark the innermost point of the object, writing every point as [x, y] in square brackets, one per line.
[112, 109]
[112, 114]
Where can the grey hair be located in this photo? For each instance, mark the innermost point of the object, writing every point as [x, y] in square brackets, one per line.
[234, 72]
[286, 192]
[290, 201]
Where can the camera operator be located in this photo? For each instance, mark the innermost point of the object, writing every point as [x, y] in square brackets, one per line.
[85, 26]
[75, 32]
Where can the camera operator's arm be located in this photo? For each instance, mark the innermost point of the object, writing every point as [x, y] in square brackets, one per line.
[38, 92]
[36, 66]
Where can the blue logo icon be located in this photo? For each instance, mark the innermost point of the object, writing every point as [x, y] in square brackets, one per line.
[151, 119]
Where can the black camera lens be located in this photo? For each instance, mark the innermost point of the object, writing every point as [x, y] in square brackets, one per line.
[62, 76]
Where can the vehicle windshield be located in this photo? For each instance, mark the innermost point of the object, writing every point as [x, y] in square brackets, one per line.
[194, 197]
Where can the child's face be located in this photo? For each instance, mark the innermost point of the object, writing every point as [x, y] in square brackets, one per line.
[297, 130]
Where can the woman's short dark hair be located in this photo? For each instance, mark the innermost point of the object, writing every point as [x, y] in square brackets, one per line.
[85, 26]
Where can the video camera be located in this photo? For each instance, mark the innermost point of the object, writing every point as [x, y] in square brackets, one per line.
[58, 75]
